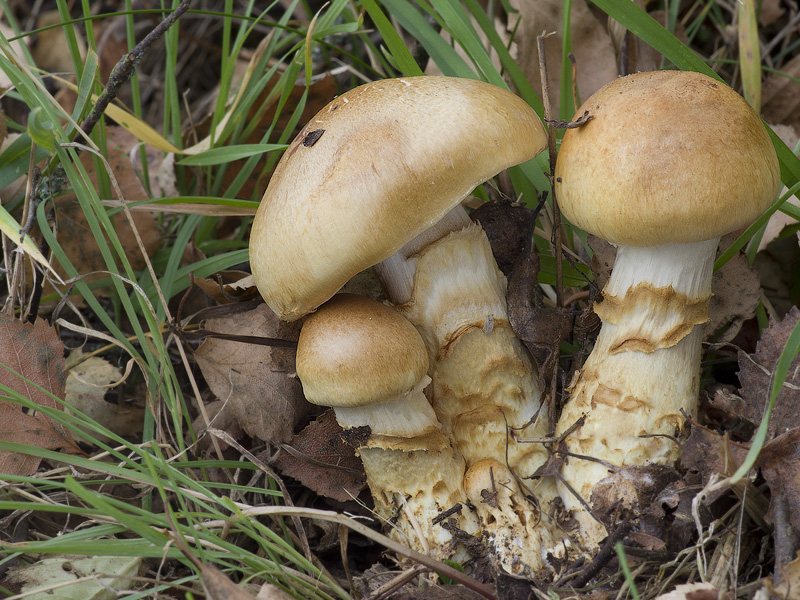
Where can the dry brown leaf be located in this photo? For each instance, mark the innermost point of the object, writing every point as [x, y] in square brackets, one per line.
[647, 57]
[509, 226]
[770, 11]
[779, 460]
[541, 329]
[736, 291]
[320, 459]
[778, 221]
[87, 384]
[756, 371]
[258, 382]
[631, 488]
[378, 576]
[36, 354]
[17, 47]
[267, 591]
[216, 584]
[780, 95]
[228, 286]
[591, 45]
[709, 453]
[77, 239]
[51, 51]
[787, 584]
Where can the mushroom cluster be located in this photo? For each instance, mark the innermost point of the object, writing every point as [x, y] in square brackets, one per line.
[377, 176]
[668, 163]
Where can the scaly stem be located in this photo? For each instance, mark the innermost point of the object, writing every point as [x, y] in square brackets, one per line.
[644, 370]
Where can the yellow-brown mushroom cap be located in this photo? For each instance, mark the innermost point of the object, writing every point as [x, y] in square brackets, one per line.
[355, 351]
[372, 170]
[668, 157]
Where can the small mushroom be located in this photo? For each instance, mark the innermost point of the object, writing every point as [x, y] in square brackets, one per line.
[369, 363]
[668, 163]
[385, 181]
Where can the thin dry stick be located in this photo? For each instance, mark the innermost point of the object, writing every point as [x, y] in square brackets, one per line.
[551, 147]
[127, 65]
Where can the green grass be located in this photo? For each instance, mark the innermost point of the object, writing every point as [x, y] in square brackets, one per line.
[161, 465]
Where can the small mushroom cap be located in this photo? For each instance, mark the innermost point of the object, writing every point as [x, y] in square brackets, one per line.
[355, 352]
[372, 170]
[669, 157]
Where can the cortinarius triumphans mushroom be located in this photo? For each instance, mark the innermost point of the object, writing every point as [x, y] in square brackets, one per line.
[370, 364]
[667, 164]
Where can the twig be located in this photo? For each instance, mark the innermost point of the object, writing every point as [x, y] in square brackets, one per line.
[605, 554]
[127, 65]
[551, 146]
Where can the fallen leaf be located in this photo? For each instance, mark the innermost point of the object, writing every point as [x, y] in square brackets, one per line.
[267, 591]
[778, 221]
[591, 45]
[780, 95]
[378, 576]
[786, 583]
[647, 57]
[228, 286]
[36, 354]
[779, 460]
[86, 391]
[736, 290]
[257, 381]
[604, 254]
[51, 52]
[216, 584]
[756, 371]
[73, 231]
[320, 459]
[541, 329]
[710, 453]
[769, 11]
[509, 227]
[19, 52]
[630, 488]
[52, 571]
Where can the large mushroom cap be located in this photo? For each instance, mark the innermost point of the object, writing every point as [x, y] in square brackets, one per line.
[668, 157]
[372, 170]
[355, 351]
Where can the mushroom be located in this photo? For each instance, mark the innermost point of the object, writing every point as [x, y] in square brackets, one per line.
[379, 166]
[668, 163]
[378, 175]
[370, 364]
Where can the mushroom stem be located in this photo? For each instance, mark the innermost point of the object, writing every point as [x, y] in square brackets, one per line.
[485, 392]
[511, 524]
[643, 372]
[410, 475]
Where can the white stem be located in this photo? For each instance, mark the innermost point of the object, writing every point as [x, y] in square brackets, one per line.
[410, 469]
[410, 489]
[511, 524]
[407, 416]
[644, 369]
[483, 379]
